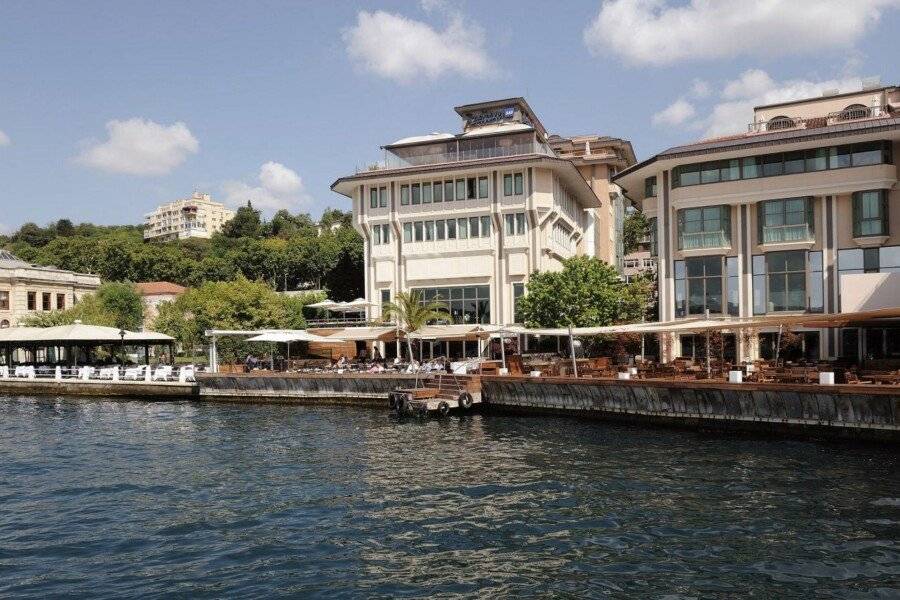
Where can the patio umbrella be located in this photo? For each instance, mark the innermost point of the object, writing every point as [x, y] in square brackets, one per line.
[286, 337]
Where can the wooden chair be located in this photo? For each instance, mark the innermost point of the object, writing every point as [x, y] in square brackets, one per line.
[514, 364]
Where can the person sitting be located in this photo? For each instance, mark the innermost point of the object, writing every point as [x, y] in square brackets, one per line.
[413, 366]
[342, 362]
[376, 355]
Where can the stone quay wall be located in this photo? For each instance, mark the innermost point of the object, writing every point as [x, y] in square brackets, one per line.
[843, 411]
[360, 389]
[110, 389]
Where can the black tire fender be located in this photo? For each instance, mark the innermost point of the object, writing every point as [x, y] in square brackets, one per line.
[465, 401]
[443, 408]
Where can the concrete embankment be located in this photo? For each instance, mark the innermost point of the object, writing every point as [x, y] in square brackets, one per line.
[844, 411]
[158, 390]
[358, 389]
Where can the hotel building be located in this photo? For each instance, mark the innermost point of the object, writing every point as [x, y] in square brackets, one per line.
[195, 217]
[26, 289]
[799, 214]
[467, 217]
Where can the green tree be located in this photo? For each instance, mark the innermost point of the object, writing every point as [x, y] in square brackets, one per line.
[65, 228]
[587, 292]
[412, 313]
[246, 223]
[635, 228]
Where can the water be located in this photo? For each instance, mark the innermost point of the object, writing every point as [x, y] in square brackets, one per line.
[109, 499]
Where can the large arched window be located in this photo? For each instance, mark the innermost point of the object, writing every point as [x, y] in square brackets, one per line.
[780, 122]
[854, 111]
[4, 324]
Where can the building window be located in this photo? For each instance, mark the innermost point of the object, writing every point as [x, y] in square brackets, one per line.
[786, 281]
[704, 284]
[471, 188]
[786, 220]
[404, 195]
[514, 223]
[518, 184]
[485, 226]
[507, 185]
[854, 111]
[451, 229]
[650, 187]
[482, 187]
[416, 193]
[407, 232]
[460, 189]
[438, 191]
[654, 246]
[871, 262]
[382, 197]
[373, 197]
[870, 213]
[474, 227]
[418, 231]
[385, 296]
[518, 290]
[468, 304]
[429, 231]
[462, 228]
[707, 227]
[770, 165]
[426, 193]
[733, 287]
[381, 234]
[448, 191]
[32, 300]
[4, 300]
[440, 230]
[780, 122]
[46, 301]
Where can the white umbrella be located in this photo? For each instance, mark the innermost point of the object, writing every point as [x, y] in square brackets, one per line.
[323, 304]
[286, 337]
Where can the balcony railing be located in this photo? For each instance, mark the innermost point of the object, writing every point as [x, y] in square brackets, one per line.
[395, 162]
[704, 239]
[850, 114]
[785, 234]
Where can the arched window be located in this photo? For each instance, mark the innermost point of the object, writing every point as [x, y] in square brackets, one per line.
[4, 324]
[780, 122]
[854, 111]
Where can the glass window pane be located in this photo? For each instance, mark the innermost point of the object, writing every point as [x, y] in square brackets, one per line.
[751, 167]
[709, 173]
[407, 232]
[796, 283]
[509, 221]
[689, 175]
[460, 189]
[426, 193]
[795, 162]
[485, 226]
[817, 160]
[714, 294]
[471, 192]
[429, 231]
[696, 296]
[418, 230]
[438, 191]
[507, 185]
[441, 229]
[462, 228]
[520, 223]
[680, 306]
[713, 265]
[404, 195]
[795, 261]
[694, 267]
[759, 294]
[519, 186]
[451, 229]
[866, 154]
[382, 197]
[448, 191]
[730, 170]
[416, 194]
[759, 264]
[373, 198]
[679, 269]
[773, 165]
[482, 187]
[473, 227]
[839, 157]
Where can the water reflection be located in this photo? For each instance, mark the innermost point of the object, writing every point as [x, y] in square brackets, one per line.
[104, 498]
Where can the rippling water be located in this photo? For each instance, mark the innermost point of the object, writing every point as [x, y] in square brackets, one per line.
[112, 499]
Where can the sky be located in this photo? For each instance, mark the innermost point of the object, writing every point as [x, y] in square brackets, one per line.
[108, 109]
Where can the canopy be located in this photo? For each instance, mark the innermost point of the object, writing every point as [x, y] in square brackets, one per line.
[362, 334]
[78, 332]
[297, 335]
[450, 332]
[358, 305]
[323, 304]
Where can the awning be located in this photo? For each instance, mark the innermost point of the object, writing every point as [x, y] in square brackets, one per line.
[358, 305]
[288, 337]
[361, 334]
[451, 332]
[80, 333]
[323, 304]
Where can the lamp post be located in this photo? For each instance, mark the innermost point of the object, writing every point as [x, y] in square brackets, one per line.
[122, 333]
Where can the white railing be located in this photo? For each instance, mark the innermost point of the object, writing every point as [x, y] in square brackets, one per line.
[140, 373]
[395, 162]
[782, 123]
[704, 239]
[783, 234]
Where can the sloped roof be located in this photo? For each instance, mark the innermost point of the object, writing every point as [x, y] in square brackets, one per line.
[159, 288]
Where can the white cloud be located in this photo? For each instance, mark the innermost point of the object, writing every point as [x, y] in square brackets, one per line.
[732, 109]
[279, 187]
[675, 114]
[700, 89]
[402, 49]
[661, 32]
[140, 147]
[4, 139]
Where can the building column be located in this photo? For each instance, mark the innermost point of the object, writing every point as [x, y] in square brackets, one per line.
[668, 343]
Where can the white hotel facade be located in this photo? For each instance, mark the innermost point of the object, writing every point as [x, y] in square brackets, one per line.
[467, 217]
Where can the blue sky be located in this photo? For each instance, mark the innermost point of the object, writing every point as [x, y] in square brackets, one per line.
[108, 109]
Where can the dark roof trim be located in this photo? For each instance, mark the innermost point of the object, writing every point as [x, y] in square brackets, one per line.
[518, 101]
[769, 139]
[841, 95]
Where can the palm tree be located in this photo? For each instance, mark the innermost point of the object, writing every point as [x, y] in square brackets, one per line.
[413, 313]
